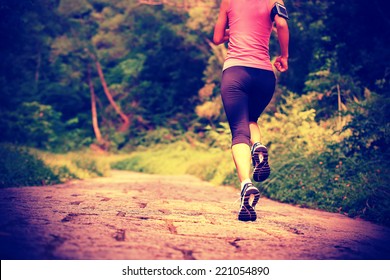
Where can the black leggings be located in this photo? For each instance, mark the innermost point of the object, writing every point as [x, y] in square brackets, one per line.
[246, 92]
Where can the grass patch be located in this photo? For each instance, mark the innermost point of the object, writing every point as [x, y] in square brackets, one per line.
[20, 168]
[76, 165]
[180, 158]
[30, 167]
[354, 186]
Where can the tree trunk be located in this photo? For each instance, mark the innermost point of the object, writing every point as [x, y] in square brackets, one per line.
[126, 120]
[37, 70]
[95, 122]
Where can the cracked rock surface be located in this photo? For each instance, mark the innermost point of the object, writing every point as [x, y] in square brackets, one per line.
[131, 216]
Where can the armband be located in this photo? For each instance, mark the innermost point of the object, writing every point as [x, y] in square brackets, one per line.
[279, 10]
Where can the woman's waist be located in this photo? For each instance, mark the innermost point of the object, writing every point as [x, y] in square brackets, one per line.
[249, 62]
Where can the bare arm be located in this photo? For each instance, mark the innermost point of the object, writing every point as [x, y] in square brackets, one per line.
[221, 34]
[281, 62]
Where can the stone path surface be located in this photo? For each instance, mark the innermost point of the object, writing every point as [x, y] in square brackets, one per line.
[131, 216]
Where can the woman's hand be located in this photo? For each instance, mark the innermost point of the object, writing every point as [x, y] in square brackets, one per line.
[281, 64]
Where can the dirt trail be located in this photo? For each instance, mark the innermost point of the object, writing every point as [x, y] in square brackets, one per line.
[138, 216]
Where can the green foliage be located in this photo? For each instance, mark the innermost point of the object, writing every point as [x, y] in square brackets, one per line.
[75, 165]
[26, 28]
[308, 45]
[37, 125]
[33, 124]
[175, 158]
[360, 51]
[126, 71]
[347, 175]
[89, 164]
[171, 73]
[180, 158]
[366, 151]
[64, 173]
[158, 136]
[20, 168]
[219, 137]
[73, 139]
[370, 128]
[295, 119]
[133, 164]
[334, 90]
[72, 8]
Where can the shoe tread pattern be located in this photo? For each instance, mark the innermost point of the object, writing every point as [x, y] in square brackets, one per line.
[262, 169]
[247, 211]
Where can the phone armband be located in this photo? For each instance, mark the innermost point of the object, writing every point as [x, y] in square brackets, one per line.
[279, 10]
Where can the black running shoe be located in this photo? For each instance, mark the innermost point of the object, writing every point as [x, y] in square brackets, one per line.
[261, 169]
[247, 209]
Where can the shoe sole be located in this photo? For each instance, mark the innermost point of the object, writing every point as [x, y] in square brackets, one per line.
[247, 211]
[261, 170]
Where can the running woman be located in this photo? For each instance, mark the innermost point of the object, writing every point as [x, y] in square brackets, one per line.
[248, 84]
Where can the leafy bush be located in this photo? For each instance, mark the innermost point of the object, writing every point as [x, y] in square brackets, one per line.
[132, 163]
[89, 164]
[158, 136]
[31, 124]
[367, 156]
[219, 137]
[348, 175]
[64, 173]
[40, 126]
[19, 168]
[294, 130]
[72, 139]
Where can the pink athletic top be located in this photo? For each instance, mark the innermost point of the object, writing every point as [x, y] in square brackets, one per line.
[250, 30]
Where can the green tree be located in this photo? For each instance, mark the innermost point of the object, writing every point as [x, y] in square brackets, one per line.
[27, 29]
[171, 67]
[79, 44]
[359, 33]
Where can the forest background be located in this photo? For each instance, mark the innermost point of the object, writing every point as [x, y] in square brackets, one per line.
[87, 86]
